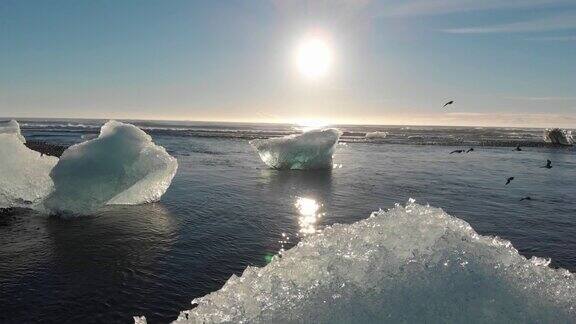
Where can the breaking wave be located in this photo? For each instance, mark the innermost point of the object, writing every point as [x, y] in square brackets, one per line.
[413, 135]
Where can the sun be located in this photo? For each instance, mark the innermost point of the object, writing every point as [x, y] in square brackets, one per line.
[314, 56]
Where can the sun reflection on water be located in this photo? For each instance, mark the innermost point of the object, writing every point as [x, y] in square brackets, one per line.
[309, 214]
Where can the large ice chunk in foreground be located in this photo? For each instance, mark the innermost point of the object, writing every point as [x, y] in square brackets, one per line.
[410, 264]
[558, 136]
[11, 127]
[121, 166]
[309, 150]
[24, 174]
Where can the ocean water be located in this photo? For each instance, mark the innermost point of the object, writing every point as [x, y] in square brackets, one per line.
[225, 211]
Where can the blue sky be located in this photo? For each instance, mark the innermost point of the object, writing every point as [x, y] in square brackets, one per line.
[505, 63]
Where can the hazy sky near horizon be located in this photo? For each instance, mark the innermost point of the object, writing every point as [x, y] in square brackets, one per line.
[505, 63]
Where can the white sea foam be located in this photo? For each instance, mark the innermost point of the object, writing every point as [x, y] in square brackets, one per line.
[24, 173]
[11, 127]
[121, 166]
[410, 264]
[558, 136]
[309, 150]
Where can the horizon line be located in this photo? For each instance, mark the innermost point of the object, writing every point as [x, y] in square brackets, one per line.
[328, 125]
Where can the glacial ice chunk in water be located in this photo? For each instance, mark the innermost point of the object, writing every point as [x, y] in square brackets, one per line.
[309, 150]
[558, 136]
[410, 264]
[121, 166]
[139, 320]
[11, 127]
[376, 135]
[24, 173]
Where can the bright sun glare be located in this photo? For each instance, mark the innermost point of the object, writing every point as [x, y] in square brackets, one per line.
[310, 124]
[314, 57]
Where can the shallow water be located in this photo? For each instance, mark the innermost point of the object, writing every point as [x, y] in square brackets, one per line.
[225, 210]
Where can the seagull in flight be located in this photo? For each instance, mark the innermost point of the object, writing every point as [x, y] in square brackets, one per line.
[448, 103]
[509, 180]
[548, 164]
[526, 198]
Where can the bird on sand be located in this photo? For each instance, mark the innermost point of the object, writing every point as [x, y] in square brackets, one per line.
[509, 180]
[548, 164]
[457, 151]
[526, 198]
[470, 150]
[448, 103]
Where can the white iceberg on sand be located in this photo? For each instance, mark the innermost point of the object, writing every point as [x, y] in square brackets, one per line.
[410, 264]
[121, 166]
[11, 127]
[376, 135]
[558, 136]
[24, 174]
[309, 150]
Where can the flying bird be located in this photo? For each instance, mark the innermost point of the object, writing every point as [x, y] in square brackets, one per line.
[470, 150]
[448, 103]
[548, 164]
[518, 148]
[526, 198]
[509, 180]
[457, 151]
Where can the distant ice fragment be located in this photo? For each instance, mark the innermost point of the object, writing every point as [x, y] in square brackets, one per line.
[140, 320]
[558, 136]
[410, 264]
[376, 135]
[11, 127]
[309, 150]
[24, 174]
[121, 166]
